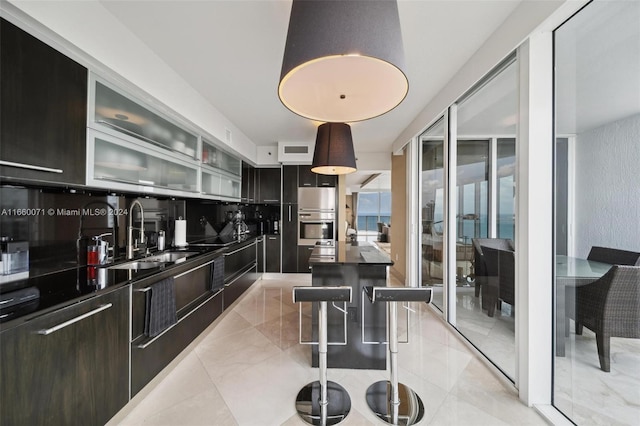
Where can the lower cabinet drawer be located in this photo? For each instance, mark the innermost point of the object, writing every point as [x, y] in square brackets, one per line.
[235, 288]
[150, 356]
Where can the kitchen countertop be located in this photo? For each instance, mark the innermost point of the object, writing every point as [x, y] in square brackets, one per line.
[357, 252]
[73, 285]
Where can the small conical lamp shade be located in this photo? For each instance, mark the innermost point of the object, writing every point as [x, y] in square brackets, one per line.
[333, 154]
[343, 60]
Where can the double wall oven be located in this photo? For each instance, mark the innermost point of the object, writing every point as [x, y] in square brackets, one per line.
[316, 216]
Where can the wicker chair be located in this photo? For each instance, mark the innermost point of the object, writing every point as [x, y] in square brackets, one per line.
[500, 285]
[479, 265]
[610, 307]
[614, 256]
[599, 254]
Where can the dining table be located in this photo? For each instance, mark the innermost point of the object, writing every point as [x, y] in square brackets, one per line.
[571, 273]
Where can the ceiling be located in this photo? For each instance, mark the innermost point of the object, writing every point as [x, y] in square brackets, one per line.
[231, 53]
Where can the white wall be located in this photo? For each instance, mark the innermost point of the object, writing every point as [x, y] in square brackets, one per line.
[607, 187]
[87, 32]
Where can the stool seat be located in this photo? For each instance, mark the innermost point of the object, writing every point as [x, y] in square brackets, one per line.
[323, 402]
[322, 294]
[398, 294]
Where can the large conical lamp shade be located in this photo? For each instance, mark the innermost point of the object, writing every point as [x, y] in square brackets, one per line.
[343, 60]
[333, 154]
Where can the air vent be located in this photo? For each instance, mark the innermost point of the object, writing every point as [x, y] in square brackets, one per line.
[296, 149]
[295, 152]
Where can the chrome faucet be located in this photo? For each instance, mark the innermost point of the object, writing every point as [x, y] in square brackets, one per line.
[131, 248]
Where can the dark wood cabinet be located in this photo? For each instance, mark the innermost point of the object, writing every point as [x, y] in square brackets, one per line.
[290, 184]
[197, 306]
[306, 178]
[260, 254]
[289, 236]
[248, 188]
[70, 366]
[327, 180]
[304, 253]
[43, 111]
[268, 182]
[240, 272]
[272, 253]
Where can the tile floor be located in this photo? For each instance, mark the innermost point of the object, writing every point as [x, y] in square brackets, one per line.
[247, 368]
[582, 391]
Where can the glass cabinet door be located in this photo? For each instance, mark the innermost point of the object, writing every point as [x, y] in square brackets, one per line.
[114, 111]
[215, 157]
[115, 161]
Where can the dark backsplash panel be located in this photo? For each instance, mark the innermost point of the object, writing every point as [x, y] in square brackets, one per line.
[58, 224]
[203, 216]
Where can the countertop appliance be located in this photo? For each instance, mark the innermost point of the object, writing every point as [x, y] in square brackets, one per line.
[15, 256]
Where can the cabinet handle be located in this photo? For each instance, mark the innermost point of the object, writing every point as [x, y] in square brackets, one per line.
[306, 184]
[192, 269]
[240, 249]
[53, 329]
[271, 201]
[289, 212]
[272, 238]
[30, 167]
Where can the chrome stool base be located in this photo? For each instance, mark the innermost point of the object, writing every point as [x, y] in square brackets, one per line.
[409, 412]
[309, 408]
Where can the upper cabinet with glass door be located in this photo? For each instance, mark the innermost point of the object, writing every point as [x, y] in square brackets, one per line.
[221, 173]
[132, 147]
[116, 113]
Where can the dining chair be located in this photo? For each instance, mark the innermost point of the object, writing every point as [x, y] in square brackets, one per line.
[479, 264]
[610, 307]
[614, 256]
[500, 284]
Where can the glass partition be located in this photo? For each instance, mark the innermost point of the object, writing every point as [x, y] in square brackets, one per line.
[597, 234]
[432, 211]
[485, 217]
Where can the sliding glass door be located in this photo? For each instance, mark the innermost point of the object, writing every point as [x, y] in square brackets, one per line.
[478, 297]
[597, 235]
[432, 212]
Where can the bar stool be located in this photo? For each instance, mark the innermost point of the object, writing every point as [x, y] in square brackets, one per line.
[322, 402]
[393, 402]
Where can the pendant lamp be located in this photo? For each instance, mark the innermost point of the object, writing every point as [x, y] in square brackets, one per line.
[333, 154]
[343, 60]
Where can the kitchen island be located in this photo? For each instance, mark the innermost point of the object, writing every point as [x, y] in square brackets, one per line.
[355, 264]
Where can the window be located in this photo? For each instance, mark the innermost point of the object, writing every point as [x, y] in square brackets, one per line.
[373, 208]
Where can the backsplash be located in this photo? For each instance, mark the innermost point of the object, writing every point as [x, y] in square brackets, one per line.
[58, 224]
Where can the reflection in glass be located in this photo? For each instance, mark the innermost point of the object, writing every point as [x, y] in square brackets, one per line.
[485, 166]
[505, 219]
[432, 211]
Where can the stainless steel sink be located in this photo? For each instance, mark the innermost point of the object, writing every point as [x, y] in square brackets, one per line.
[137, 264]
[155, 261]
[170, 256]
